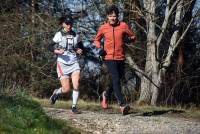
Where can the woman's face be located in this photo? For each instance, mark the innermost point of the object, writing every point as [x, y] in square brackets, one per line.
[67, 27]
[112, 18]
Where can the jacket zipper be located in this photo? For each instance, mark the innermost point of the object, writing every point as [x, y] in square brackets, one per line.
[113, 43]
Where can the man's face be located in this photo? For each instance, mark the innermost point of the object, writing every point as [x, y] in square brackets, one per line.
[112, 18]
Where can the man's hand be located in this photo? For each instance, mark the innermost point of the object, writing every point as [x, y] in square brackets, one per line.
[59, 51]
[133, 38]
[102, 52]
[130, 39]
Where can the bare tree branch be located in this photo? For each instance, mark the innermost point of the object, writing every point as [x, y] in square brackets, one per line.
[140, 73]
[167, 16]
[174, 37]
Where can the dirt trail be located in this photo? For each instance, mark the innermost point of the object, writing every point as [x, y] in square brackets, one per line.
[112, 123]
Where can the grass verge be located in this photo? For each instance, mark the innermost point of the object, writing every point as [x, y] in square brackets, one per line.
[22, 115]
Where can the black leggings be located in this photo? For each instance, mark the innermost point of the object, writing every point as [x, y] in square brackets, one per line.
[116, 70]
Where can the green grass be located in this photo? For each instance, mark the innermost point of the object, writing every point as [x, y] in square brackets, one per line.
[83, 105]
[21, 115]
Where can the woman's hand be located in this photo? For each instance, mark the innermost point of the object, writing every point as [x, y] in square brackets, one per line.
[79, 51]
[59, 51]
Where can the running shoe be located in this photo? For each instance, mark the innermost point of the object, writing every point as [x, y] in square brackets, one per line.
[54, 97]
[104, 102]
[124, 109]
[74, 110]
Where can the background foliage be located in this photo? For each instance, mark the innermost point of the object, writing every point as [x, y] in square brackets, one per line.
[27, 27]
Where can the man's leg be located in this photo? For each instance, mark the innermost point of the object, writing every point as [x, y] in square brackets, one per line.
[115, 75]
[124, 107]
[116, 71]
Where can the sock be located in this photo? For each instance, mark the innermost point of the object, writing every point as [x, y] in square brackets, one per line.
[75, 95]
[59, 91]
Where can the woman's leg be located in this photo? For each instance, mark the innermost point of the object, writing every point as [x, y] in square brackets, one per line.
[65, 83]
[64, 78]
[75, 82]
[65, 87]
[75, 79]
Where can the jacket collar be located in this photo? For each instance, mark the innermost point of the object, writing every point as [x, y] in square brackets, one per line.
[117, 24]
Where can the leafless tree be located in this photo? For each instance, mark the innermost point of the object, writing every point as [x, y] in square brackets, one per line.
[157, 62]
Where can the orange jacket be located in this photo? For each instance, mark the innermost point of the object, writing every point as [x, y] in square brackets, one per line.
[113, 40]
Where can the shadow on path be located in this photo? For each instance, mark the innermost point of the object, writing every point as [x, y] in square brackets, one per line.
[156, 112]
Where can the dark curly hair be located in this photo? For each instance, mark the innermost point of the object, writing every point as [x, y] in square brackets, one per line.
[112, 8]
[66, 19]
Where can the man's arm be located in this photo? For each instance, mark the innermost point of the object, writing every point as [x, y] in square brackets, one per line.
[97, 40]
[131, 35]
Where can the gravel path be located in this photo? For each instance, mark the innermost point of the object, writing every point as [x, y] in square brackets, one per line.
[112, 123]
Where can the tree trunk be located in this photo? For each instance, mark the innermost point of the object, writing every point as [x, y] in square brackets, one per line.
[156, 78]
[149, 89]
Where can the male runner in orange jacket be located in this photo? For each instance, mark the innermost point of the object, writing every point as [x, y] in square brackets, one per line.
[113, 32]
